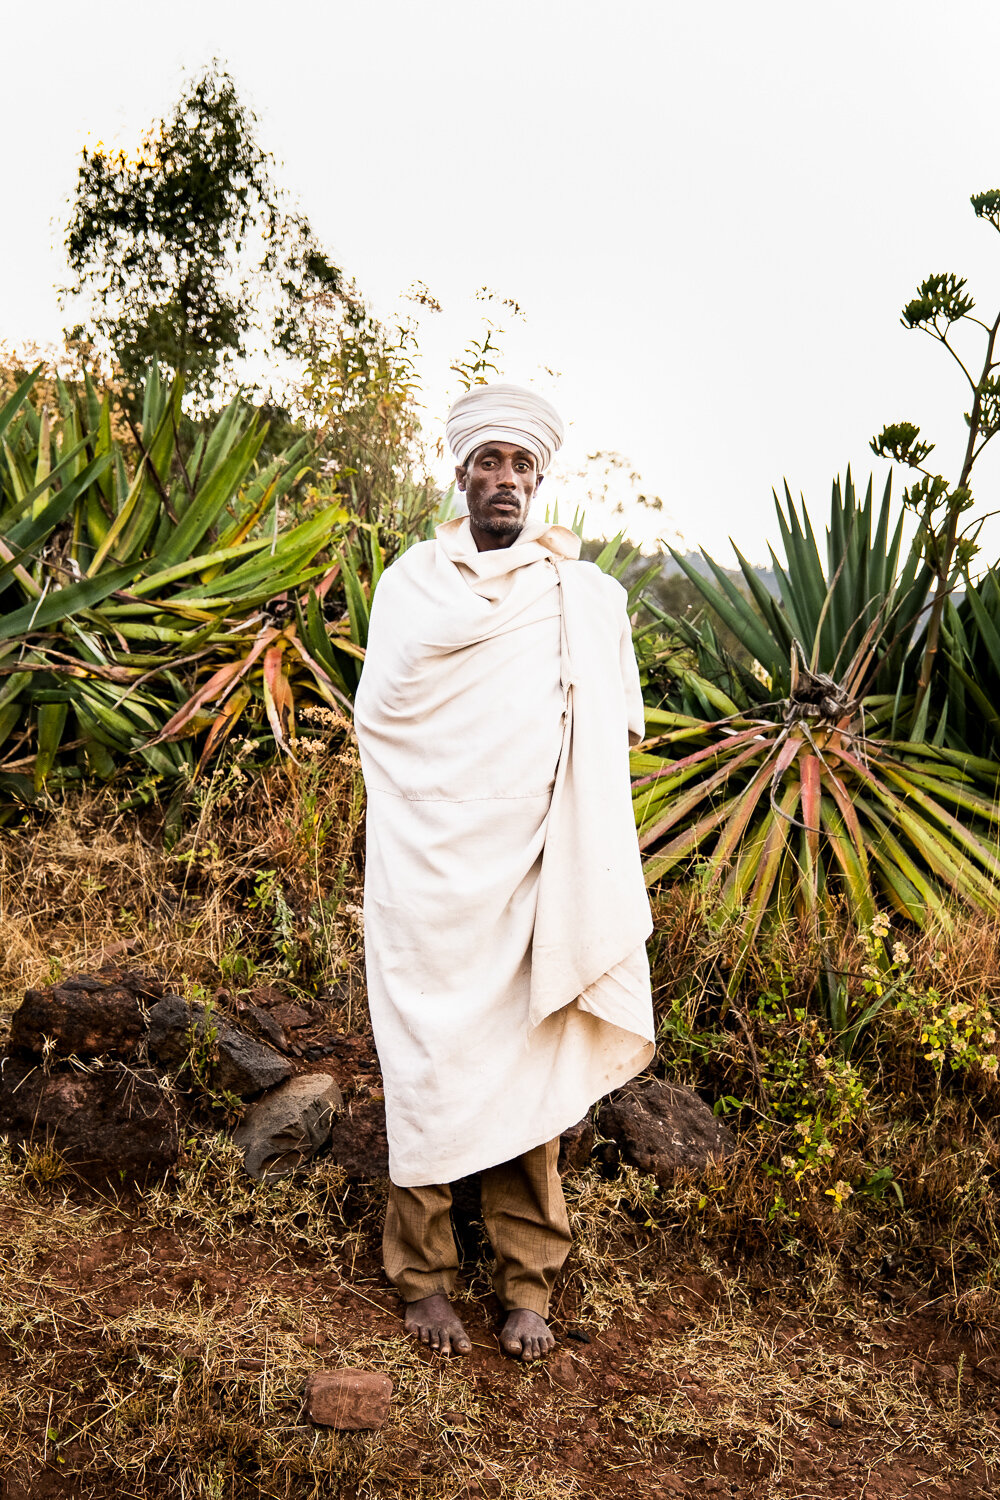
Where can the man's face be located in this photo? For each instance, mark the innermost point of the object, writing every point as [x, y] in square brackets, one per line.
[498, 483]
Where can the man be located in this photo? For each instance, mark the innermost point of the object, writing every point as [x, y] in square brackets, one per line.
[505, 909]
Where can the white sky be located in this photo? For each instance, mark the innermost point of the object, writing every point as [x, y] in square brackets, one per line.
[711, 213]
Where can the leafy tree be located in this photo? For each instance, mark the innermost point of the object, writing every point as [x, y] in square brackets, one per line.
[186, 246]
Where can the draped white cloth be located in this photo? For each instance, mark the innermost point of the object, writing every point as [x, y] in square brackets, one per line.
[505, 908]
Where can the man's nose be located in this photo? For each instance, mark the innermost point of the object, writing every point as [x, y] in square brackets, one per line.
[507, 479]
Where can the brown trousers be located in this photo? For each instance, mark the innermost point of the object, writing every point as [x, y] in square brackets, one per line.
[525, 1216]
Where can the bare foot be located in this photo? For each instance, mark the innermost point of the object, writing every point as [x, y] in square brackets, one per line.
[525, 1335]
[436, 1324]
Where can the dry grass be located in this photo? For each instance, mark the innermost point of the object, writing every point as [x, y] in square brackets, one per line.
[900, 1182]
[255, 887]
[157, 1345]
[154, 1348]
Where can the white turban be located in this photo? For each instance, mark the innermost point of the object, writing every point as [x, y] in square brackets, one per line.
[504, 414]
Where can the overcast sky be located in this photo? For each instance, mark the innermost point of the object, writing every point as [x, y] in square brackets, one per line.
[710, 214]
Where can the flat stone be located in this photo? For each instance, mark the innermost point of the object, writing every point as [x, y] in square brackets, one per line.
[664, 1129]
[349, 1400]
[289, 1125]
[358, 1140]
[240, 1065]
[84, 1016]
[115, 1123]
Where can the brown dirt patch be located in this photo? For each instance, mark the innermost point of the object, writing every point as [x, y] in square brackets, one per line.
[144, 1351]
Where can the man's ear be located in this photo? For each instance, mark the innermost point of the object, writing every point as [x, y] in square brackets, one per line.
[538, 480]
[460, 477]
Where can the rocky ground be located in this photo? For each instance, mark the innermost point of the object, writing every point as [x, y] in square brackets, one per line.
[162, 1310]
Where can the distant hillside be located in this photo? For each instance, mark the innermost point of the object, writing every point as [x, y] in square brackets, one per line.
[670, 570]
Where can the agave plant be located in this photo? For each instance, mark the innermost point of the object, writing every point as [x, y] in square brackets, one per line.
[124, 567]
[785, 783]
[290, 643]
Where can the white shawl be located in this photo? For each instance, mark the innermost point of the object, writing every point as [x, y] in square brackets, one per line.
[505, 908]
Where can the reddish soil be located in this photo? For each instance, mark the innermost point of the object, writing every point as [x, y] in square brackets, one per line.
[159, 1361]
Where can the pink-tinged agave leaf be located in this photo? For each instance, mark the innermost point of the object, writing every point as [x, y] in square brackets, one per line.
[685, 843]
[756, 732]
[327, 687]
[850, 850]
[986, 856]
[773, 850]
[736, 827]
[842, 798]
[326, 583]
[683, 804]
[220, 682]
[223, 726]
[809, 769]
[783, 759]
[852, 862]
[279, 703]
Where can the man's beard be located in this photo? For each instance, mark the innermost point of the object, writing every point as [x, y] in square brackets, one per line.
[501, 525]
[497, 524]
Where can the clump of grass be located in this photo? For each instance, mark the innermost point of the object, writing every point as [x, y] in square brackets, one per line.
[861, 1073]
[212, 1194]
[260, 880]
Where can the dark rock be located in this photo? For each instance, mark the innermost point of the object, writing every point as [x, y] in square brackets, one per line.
[238, 1064]
[267, 1025]
[114, 1123]
[291, 1016]
[288, 1125]
[139, 982]
[664, 1129]
[269, 994]
[576, 1146]
[84, 1016]
[358, 1141]
[350, 1400]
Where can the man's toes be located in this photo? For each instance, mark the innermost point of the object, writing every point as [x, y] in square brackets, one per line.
[511, 1344]
[462, 1344]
